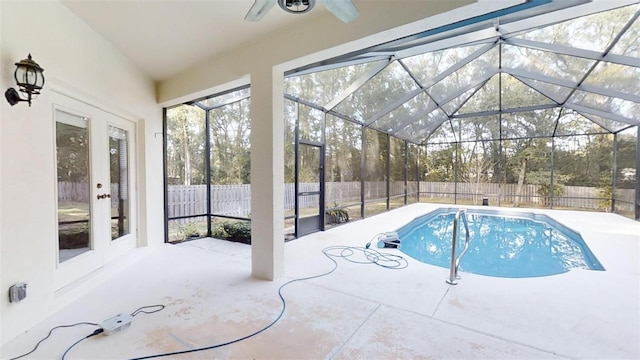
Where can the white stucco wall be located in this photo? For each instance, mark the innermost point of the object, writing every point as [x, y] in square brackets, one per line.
[78, 61]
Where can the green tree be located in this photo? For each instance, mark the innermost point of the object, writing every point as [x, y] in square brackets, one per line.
[72, 151]
[230, 127]
[186, 145]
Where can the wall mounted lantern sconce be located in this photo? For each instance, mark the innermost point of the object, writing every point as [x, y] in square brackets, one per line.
[29, 79]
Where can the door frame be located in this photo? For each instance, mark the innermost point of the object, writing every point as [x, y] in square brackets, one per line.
[309, 224]
[119, 246]
[102, 249]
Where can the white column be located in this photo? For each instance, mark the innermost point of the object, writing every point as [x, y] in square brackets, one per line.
[267, 173]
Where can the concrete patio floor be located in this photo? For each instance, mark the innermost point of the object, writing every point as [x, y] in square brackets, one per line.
[358, 311]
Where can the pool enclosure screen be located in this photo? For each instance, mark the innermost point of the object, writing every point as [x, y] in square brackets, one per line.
[524, 109]
[207, 168]
[521, 111]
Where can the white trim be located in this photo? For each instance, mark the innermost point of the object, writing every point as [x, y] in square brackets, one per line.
[240, 82]
[67, 90]
[102, 249]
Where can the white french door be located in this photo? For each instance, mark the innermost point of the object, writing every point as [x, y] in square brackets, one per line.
[95, 162]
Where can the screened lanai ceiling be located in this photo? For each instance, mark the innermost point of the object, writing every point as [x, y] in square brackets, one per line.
[532, 77]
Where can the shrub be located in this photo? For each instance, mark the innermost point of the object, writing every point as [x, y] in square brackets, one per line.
[337, 216]
[190, 230]
[544, 190]
[238, 231]
[604, 193]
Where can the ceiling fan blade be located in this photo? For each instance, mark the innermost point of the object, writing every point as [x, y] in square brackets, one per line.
[342, 9]
[259, 9]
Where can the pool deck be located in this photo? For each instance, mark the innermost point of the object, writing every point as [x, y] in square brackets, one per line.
[358, 311]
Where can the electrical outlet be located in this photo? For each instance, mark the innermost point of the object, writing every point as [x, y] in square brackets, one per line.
[116, 323]
[17, 292]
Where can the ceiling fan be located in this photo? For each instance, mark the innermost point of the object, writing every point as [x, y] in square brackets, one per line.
[342, 9]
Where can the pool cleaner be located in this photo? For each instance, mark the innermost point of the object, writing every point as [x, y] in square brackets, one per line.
[387, 240]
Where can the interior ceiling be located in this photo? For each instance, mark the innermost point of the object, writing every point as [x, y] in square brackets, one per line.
[164, 38]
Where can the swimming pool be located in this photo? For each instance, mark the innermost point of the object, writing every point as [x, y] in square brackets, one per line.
[502, 243]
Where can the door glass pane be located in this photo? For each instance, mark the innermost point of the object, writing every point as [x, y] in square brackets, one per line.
[309, 171]
[119, 173]
[74, 215]
[309, 177]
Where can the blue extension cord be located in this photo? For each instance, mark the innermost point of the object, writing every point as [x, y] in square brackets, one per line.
[386, 260]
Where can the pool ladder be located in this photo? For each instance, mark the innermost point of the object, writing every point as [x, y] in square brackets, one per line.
[455, 262]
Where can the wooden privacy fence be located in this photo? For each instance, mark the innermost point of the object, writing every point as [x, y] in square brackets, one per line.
[583, 197]
[79, 192]
[235, 200]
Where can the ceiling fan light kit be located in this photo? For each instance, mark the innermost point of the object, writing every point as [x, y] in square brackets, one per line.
[297, 6]
[344, 10]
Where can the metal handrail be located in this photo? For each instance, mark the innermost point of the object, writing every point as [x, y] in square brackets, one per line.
[455, 262]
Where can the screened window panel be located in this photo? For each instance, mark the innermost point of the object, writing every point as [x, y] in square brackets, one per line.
[290, 120]
[575, 124]
[396, 167]
[608, 124]
[343, 150]
[186, 229]
[444, 133]
[593, 32]
[311, 124]
[455, 104]
[489, 165]
[555, 92]
[426, 67]
[474, 72]
[186, 138]
[322, 87]
[398, 118]
[626, 158]
[529, 124]
[485, 99]
[374, 208]
[404, 138]
[383, 89]
[516, 94]
[577, 172]
[535, 155]
[413, 169]
[230, 143]
[624, 108]
[624, 199]
[375, 148]
[397, 201]
[628, 43]
[616, 77]
[477, 128]
[225, 98]
[547, 63]
[419, 130]
[626, 162]
[439, 167]
[475, 169]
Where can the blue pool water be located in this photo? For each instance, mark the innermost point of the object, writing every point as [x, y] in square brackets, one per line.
[502, 243]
